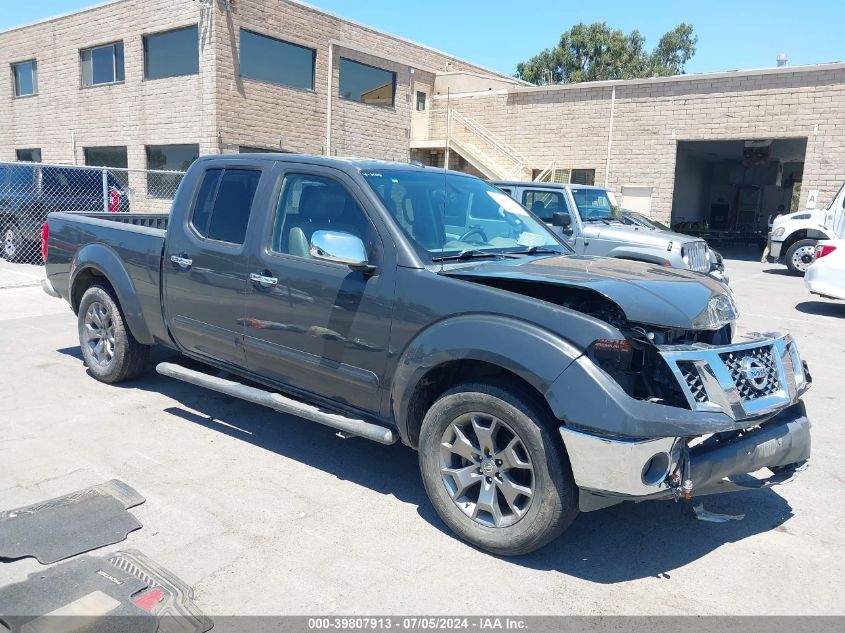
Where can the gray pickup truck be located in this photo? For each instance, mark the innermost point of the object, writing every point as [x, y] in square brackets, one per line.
[396, 302]
[590, 221]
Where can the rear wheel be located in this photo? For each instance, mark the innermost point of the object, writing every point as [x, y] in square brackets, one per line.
[13, 244]
[110, 351]
[494, 471]
[800, 255]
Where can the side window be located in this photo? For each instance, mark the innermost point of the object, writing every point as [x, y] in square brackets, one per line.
[310, 203]
[223, 204]
[543, 203]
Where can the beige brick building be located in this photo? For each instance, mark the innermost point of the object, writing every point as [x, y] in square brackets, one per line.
[696, 148]
[685, 147]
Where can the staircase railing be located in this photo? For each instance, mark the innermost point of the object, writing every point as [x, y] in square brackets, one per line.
[507, 163]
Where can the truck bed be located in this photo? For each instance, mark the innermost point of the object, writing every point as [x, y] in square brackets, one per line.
[148, 220]
[127, 245]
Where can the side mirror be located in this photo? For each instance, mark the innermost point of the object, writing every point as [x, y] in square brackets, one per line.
[340, 248]
[561, 219]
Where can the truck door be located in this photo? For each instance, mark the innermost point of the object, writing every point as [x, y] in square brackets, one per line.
[205, 266]
[316, 325]
[544, 203]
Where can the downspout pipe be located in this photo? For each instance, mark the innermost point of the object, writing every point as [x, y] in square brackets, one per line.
[609, 138]
[328, 150]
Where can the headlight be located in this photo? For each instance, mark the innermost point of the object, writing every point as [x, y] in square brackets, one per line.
[778, 232]
[721, 310]
[797, 366]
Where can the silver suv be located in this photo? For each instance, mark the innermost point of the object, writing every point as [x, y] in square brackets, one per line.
[592, 223]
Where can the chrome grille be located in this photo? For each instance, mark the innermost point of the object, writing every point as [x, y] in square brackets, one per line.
[742, 380]
[693, 379]
[696, 256]
[760, 358]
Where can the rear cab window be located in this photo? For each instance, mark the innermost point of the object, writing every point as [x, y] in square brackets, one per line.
[224, 204]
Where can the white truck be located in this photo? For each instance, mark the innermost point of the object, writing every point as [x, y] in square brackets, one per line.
[794, 236]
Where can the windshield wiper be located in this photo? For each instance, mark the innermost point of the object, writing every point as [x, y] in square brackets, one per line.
[536, 250]
[470, 253]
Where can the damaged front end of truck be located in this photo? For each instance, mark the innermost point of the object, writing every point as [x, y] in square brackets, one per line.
[735, 410]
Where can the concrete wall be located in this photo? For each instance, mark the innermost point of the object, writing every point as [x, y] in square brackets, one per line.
[571, 124]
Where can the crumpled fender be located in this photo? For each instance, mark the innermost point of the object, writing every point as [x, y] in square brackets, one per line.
[107, 262]
[536, 355]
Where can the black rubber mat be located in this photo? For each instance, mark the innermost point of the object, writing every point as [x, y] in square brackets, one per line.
[75, 523]
[124, 591]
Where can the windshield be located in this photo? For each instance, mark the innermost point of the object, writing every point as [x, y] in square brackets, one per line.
[458, 215]
[596, 205]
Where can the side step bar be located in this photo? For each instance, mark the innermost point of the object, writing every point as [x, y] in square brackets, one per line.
[280, 403]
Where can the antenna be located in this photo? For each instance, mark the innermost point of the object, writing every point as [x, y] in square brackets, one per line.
[446, 169]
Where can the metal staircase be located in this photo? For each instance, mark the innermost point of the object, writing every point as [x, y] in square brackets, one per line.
[483, 150]
[448, 129]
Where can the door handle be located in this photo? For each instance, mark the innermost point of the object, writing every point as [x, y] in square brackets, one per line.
[182, 262]
[265, 281]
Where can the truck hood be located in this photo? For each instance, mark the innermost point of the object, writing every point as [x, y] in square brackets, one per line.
[646, 293]
[618, 232]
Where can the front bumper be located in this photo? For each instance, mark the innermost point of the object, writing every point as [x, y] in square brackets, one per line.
[611, 470]
[774, 248]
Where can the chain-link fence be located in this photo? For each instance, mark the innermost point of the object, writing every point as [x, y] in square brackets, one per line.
[30, 191]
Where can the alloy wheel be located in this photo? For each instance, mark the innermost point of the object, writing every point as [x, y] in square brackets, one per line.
[803, 257]
[98, 333]
[10, 246]
[486, 469]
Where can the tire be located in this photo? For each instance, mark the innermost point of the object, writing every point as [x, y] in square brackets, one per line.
[797, 255]
[110, 351]
[13, 246]
[524, 523]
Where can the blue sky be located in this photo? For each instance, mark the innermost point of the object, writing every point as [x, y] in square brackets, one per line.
[499, 33]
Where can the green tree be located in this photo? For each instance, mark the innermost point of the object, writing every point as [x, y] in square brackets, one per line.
[595, 52]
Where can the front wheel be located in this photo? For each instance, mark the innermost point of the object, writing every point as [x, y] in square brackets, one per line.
[110, 351]
[800, 255]
[494, 471]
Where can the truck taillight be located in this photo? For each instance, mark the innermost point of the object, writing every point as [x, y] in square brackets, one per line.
[45, 239]
[824, 249]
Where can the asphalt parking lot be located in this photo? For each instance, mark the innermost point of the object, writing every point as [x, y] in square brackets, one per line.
[267, 514]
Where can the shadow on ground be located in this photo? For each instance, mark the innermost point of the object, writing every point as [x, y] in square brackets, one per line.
[783, 272]
[618, 544]
[822, 308]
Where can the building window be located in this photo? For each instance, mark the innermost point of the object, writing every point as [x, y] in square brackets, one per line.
[32, 155]
[367, 84]
[168, 158]
[102, 64]
[106, 157]
[172, 53]
[26, 78]
[223, 204]
[583, 176]
[421, 97]
[277, 62]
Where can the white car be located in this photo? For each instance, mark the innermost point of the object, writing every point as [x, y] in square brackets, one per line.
[826, 275]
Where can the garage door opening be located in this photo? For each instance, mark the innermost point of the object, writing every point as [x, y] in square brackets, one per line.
[728, 191]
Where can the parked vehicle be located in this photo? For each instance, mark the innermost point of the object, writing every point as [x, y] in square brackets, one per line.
[717, 262]
[794, 236]
[30, 191]
[396, 302]
[590, 221]
[826, 275]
